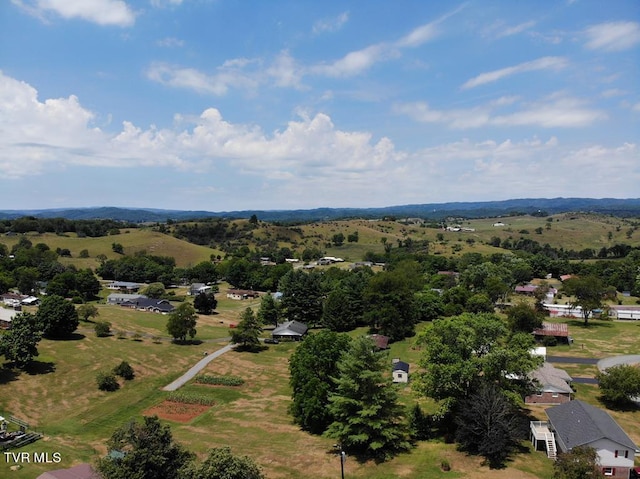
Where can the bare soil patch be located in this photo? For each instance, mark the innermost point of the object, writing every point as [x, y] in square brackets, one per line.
[176, 411]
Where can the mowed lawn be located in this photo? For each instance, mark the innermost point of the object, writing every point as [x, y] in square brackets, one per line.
[60, 398]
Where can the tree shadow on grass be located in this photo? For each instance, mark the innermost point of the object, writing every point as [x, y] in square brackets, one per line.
[621, 406]
[70, 337]
[579, 323]
[187, 342]
[8, 374]
[39, 367]
[251, 348]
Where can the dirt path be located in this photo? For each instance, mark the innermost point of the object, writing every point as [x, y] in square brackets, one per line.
[199, 366]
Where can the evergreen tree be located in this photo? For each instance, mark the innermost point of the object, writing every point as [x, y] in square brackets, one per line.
[488, 425]
[368, 420]
[20, 343]
[247, 332]
[269, 311]
[301, 296]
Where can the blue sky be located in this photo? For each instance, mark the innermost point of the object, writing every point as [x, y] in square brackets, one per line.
[226, 104]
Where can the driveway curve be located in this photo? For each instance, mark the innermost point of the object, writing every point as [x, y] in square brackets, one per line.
[199, 366]
[630, 359]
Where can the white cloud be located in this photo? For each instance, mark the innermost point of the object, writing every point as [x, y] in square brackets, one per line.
[164, 3]
[544, 63]
[353, 63]
[636, 107]
[613, 36]
[101, 12]
[285, 72]
[426, 32]
[554, 111]
[170, 42]
[508, 31]
[613, 92]
[228, 75]
[331, 24]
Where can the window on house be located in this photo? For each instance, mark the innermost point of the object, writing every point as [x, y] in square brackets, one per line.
[615, 454]
[626, 454]
[555, 395]
[608, 471]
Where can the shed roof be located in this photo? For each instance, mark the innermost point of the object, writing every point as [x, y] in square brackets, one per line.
[552, 329]
[402, 366]
[577, 424]
[290, 328]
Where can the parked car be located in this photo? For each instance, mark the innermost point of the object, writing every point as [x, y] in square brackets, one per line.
[271, 341]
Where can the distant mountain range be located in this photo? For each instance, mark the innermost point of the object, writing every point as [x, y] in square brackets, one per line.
[433, 211]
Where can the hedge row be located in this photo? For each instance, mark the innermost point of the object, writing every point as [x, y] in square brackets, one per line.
[220, 380]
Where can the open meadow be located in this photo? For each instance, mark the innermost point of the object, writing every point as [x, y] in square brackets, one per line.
[59, 398]
[58, 395]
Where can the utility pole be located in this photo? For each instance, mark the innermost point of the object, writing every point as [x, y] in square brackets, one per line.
[343, 458]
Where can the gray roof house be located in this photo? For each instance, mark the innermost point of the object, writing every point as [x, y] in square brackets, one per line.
[149, 304]
[197, 288]
[119, 298]
[577, 423]
[292, 330]
[553, 386]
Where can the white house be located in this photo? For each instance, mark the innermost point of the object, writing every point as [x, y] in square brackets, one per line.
[577, 423]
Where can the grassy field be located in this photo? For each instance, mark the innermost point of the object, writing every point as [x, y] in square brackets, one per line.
[133, 240]
[58, 397]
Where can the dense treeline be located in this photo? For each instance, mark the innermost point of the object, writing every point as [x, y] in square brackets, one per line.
[92, 228]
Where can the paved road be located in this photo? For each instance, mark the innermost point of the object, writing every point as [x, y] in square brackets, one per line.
[617, 360]
[573, 360]
[199, 366]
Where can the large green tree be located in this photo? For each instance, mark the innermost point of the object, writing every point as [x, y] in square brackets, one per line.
[144, 450]
[221, 463]
[205, 303]
[312, 365]
[269, 310]
[182, 322]
[20, 344]
[587, 292]
[368, 419]
[302, 296]
[619, 384]
[391, 307]
[459, 350]
[523, 318]
[57, 317]
[247, 332]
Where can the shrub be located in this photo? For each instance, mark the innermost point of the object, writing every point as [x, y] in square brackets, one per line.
[121, 335]
[549, 341]
[191, 398]
[137, 337]
[445, 465]
[107, 382]
[124, 370]
[220, 380]
[102, 329]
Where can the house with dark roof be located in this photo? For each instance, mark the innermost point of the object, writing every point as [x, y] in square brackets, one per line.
[381, 341]
[291, 330]
[400, 371]
[553, 386]
[577, 423]
[149, 304]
